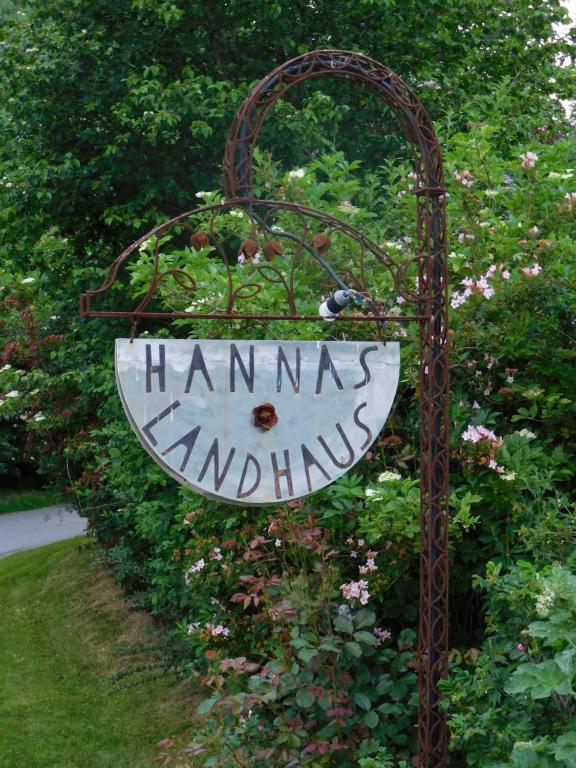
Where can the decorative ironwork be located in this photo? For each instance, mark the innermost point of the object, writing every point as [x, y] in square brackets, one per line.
[250, 240]
[284, 234]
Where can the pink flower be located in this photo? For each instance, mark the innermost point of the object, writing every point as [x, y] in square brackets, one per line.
[506, 274]
[532, 271]
[528, 160]
[520, 647]
[198, 566]
[381, 635]
[533, 231]
[475, 434]
[217, 631]
[356, 590]
[464, 178]
[369, 567]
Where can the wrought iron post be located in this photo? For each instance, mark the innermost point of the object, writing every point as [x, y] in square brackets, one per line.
[434, 371]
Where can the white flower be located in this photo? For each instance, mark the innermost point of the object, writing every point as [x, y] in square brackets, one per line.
[202, 194]
[387, 476]
[277, 543]
[544, 602]
[5, 368]
[527, 434]
[491, 192]
[347, 207]
[13, 393]
[143, 246]
[430, 84]
[509, 476]
[238, 214]
[39, 417]
[28, 280]
[299, 173]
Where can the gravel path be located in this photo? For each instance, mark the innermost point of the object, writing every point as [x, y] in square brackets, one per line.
[36, 527]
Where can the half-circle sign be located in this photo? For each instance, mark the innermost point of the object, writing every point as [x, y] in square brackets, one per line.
[256, 422]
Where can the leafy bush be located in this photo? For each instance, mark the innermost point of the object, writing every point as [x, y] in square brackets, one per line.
[307, 648]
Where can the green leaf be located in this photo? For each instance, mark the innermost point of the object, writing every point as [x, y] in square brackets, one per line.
[362, 700]
[365, 637]
[207, 705]
[304, 698]
[540, 680]
[354, 649]
[365, 618]
[565, 746]
[343, 624]
[565, 661]
[371, 719]
[384, 683]
[307, 654]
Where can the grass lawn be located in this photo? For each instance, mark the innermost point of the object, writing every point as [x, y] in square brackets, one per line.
[19, 501]
[63, 625]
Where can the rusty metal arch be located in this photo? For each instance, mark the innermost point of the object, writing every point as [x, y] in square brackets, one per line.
[434, 370]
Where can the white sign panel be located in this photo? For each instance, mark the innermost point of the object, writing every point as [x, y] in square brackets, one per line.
[256, 422]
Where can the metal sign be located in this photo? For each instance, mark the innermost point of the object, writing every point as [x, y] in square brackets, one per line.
[256, 422]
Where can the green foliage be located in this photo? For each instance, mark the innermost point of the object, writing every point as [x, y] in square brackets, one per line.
[113, 119]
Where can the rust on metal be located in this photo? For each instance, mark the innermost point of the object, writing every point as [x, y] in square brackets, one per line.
[265, 416]
[429, 308]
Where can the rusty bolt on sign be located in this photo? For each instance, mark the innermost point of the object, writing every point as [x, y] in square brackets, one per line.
[265, 416]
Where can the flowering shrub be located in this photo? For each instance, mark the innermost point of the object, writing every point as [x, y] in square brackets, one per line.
[300, 621]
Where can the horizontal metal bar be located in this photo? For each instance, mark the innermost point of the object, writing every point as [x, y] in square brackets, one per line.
[224, 316]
